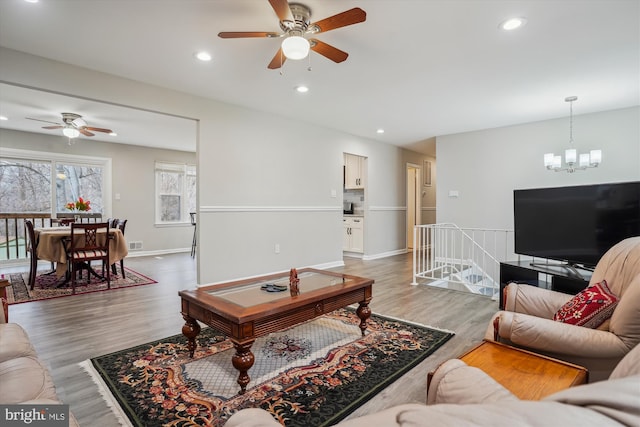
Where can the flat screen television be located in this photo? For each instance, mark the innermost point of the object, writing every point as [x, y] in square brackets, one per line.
[578, 224]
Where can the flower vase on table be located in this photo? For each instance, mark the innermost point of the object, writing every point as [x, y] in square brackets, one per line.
[78, 206]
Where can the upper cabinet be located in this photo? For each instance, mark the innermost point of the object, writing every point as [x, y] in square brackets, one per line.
[354, 171]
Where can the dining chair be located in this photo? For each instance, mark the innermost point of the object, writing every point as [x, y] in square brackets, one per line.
[33, 257]
[60, 222]
[86, 245]
[193, 242]
[121, 224]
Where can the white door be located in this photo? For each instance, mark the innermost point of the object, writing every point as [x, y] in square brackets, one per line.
[414, 206]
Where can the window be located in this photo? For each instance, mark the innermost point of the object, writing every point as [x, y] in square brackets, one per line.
[25, 185]
[33, 181]
[175, 192]
[74, 181]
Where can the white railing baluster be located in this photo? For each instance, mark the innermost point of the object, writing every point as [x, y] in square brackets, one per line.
[446, 253]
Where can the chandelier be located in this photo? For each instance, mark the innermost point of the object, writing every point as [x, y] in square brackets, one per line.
[572, 161]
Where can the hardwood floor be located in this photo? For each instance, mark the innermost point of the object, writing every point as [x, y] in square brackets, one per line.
[67, 331]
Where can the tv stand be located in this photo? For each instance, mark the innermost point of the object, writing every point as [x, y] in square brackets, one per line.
[573, 268]
[557, 276]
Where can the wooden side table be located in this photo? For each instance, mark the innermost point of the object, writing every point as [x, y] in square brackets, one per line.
[528, 375]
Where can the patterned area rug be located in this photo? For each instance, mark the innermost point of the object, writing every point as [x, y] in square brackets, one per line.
[46, 285]
[314, 374]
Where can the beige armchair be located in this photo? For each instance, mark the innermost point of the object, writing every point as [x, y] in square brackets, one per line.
[527, 318]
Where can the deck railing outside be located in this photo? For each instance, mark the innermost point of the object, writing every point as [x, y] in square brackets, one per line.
[460, 258]
[13, 241]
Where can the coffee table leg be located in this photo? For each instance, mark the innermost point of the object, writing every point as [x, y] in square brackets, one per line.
[243, 361]
[363, 312]
[191, 329]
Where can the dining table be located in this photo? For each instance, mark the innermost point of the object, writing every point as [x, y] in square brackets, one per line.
[50, 245]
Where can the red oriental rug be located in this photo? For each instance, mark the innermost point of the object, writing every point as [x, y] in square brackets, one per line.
[46, 286]
[314, 374]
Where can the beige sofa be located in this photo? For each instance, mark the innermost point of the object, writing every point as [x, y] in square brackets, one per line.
[24, 379]
[460, 395]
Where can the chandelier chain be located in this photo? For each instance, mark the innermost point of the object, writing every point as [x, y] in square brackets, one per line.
[571, 122]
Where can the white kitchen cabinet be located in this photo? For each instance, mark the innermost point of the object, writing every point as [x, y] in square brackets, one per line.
[353, 237]
[354, 171]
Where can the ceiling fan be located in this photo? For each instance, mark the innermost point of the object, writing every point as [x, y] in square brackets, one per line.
[73, 125]
[295, 22]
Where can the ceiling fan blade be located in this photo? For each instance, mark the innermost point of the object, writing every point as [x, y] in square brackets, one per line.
[277, 60]
[45, 121]
[281, 7]
[85, 132]
[348, 17]
[245, 34]
[52, 127]
[328, 51]
[96, 129]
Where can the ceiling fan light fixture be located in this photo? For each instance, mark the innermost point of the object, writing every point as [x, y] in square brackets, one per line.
[70, 132]
[295, 47]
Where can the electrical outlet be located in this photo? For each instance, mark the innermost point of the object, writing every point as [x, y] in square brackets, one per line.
[277, 248]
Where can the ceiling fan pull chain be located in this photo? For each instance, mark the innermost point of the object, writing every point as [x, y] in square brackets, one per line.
[281, 63]
[309, 67]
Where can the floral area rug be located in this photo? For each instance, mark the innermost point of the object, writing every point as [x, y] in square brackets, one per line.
[46, 285]
[314, 374]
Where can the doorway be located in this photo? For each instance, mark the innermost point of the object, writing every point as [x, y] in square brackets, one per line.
[414, 200]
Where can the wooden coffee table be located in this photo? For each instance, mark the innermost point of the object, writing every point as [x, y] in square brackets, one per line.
[528, 375]
[246, 309]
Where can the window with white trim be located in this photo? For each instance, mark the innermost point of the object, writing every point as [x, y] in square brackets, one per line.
[175, 192]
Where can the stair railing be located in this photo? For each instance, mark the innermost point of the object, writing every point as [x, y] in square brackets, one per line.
[460, 258]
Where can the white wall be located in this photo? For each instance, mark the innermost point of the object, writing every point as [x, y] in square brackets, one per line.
[262, 179]
[486, 166]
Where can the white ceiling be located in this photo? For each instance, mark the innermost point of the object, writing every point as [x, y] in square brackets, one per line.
[418, 69]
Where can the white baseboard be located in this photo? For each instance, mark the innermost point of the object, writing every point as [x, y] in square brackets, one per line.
[385, 254]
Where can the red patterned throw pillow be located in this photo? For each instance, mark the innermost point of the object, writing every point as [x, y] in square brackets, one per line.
[590, 308]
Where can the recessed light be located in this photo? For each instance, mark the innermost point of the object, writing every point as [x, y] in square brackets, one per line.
[4, 118]
[203, 56]
[302, 89]
[380, 131]
[512, 23]
[113, 134]
[32, 1]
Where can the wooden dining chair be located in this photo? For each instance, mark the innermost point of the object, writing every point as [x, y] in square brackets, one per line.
[33, 257]
[121, 224]
[60, 222]
[91, 247]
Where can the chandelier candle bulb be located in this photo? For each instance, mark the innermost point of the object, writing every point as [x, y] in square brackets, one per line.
[584, 160]
[548, 159]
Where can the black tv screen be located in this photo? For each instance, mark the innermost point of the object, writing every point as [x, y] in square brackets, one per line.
[575, 224]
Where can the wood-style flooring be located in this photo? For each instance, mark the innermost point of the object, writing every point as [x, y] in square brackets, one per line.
[67, 331]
